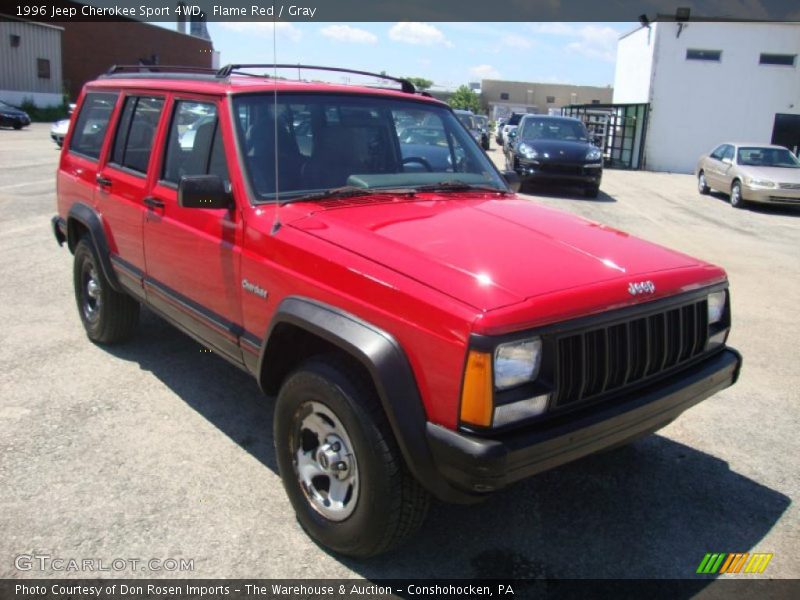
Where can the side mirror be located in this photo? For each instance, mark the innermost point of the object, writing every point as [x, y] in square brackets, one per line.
[512, 135]
[513, 180]
[727, 161]
[204, 191]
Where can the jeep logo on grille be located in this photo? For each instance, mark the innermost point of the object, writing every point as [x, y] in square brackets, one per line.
[636, 288]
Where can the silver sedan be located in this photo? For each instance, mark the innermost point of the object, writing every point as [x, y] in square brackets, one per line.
[750, 173]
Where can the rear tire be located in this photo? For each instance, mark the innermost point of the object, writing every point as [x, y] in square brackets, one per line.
[339, 462]
[108, 316]
[736, 195]
[702, 185]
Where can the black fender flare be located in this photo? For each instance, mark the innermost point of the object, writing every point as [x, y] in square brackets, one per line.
[391, 373]
[88, 217]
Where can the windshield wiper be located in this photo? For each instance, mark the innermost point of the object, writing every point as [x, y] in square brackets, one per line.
[347, 191]
[459, 186]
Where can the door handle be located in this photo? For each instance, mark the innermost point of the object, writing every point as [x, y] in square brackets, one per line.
[152, 202]
[104, 181]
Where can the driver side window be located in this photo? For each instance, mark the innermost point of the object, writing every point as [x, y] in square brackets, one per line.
[728, 153]
[717, 153]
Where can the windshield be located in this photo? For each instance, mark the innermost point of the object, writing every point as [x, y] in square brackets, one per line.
[554, 129]
[327, 142]
[766, 157]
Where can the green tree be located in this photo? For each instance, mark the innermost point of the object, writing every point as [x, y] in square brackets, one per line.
[420, 83]
[465, 99]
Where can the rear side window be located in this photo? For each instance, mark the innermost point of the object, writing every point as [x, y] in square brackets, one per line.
[92, 123]
[194, 146]
[137, 127]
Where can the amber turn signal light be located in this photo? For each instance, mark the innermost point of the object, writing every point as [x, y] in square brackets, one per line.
[476, 393]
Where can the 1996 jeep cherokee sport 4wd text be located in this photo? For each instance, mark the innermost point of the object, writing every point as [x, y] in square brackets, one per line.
[424, 330]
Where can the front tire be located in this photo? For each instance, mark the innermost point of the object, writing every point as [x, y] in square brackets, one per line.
[702, 185]
[591, 192]
[340, 465]
[108, 316]
[736, 195]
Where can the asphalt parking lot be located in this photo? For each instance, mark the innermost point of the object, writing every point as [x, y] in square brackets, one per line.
[157, 450]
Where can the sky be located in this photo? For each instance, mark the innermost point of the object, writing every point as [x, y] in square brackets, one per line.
[450, 54]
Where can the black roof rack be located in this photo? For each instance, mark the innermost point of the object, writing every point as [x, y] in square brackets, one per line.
[226, 71]
[122, 70]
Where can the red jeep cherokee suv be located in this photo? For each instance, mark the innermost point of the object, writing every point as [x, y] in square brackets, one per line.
[424, 330]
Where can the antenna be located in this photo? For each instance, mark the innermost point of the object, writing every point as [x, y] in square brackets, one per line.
[276, 224]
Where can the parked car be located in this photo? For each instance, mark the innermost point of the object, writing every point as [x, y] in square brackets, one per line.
[482, 122]
[470, 121]
[750, 173]
[186, 139]
[498, 129]
[423, 329]
[58, 131]
[11, 116]
[425, 148]
[555, 150]
[509, 126]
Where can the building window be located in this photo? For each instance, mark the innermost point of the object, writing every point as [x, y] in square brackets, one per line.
[784, 60]
[595, 101]
[551, 99]
[15, 39]
[43, 67]
[714, 55]
[503, 95]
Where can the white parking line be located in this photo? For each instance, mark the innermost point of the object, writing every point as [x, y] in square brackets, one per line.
[26, 183]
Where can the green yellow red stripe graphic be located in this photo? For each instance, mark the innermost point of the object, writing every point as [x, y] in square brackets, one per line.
[732, 563]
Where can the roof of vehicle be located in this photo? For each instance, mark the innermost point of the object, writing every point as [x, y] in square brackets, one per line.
[550, 117]
[186, 79]
[754, 145]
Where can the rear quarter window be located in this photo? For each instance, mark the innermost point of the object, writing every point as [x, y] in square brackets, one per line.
[92, 123]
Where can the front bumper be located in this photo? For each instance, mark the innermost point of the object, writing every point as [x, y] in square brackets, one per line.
[776, 195]
[476, 465]
[59, 229]
[586, 175]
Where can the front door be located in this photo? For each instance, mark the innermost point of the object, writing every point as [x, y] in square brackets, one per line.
[193, 254]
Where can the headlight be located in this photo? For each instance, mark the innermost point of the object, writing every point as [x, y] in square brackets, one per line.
[594, 154]
[762, 183]
[527, 151]
[517, 362]
[716, 307]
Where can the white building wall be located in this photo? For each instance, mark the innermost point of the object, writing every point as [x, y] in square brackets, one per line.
[634, 67]
[696, 105]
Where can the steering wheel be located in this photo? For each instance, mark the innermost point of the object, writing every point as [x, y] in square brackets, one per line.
[420, 160]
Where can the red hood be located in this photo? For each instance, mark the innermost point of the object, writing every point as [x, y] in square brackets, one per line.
[489, 252]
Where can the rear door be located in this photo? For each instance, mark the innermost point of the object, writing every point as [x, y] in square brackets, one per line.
[122, 183]
[84, 146]
[193, 254]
